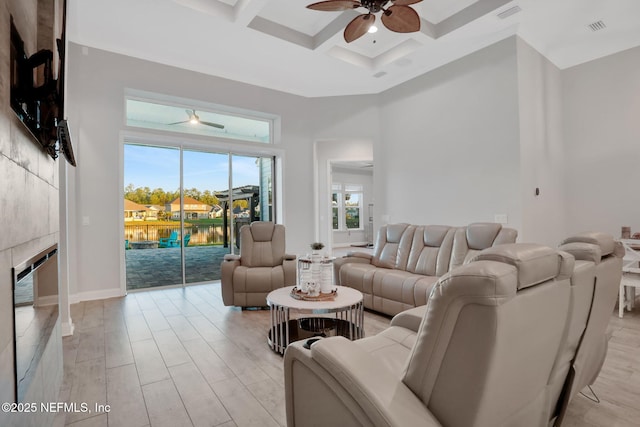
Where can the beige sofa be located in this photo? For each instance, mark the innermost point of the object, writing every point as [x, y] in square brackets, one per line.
[481, 357]
[409, 259]
[503, 340]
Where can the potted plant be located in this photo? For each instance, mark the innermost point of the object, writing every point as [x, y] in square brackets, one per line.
[317, 246]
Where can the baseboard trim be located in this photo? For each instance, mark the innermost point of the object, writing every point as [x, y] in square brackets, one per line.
[95, 295]
[45, 301]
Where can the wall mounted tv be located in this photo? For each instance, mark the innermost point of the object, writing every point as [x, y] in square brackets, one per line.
[37, 96]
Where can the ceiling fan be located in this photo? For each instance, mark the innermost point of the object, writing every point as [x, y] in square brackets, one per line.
[398, 17]
[194, 119]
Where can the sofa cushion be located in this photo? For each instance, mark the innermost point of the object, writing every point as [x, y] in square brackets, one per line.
[262, 244]
[391, 347]
[469, 241]
[393, 246]
[397, 290]
[431, 250]
[482, 235]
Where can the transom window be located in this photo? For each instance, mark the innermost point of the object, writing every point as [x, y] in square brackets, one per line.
[196, 120]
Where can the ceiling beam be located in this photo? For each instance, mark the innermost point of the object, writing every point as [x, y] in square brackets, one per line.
[467, 15]
[281, 31]
[246, 11]
[215, 8]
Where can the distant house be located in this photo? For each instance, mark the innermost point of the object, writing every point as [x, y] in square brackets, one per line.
[193, 209]
[153, 211]
[137, 212]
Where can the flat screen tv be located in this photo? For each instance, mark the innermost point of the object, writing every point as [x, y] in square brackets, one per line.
[37, 96]
[64, 142]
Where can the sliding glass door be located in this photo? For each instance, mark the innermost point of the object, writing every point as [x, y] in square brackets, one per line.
[204, 175]
[152, 216]
[183, 209]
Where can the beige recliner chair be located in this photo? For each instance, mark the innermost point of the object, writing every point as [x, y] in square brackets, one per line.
[261, 267]
[586, 341]
[482, 356]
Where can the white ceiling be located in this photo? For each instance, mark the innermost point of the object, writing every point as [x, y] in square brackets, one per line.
[279, 44]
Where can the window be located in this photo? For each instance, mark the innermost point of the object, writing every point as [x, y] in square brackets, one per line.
[346, 206]
[191, 119]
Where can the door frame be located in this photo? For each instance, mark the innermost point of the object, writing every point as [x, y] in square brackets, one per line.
[199, 143]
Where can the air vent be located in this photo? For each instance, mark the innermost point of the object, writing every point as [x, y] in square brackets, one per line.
[597, 26]
[380, 74]
[508, 12]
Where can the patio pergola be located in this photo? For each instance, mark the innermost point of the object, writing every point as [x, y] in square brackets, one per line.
[247, 192]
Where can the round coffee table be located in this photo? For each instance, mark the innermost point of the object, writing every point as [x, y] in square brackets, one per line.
[348, 321]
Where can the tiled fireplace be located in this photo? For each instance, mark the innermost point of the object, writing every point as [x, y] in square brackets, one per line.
[37, 326]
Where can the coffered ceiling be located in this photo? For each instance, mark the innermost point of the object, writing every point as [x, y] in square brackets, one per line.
[282, 45]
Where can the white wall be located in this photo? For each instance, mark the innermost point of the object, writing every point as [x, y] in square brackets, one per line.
[449, 151]
[541, 148]
[97, 82]
[602, 137]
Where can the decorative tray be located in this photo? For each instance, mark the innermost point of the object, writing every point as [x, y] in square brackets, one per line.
[298, 294]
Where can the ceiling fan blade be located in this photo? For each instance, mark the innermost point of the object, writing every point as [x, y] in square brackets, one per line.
[358, 27]
[177, 123]
[401, 19]
[405, 2]
[334, 5]
[214, 125]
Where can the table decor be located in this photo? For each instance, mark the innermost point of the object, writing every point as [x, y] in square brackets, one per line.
[306, 296]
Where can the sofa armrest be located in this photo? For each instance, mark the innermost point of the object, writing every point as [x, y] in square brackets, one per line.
[351, 257]
[360, 381]
[230, 263]
[410, 319]
[289, 257]
[363, 255]
[231, 257]
[290, 268]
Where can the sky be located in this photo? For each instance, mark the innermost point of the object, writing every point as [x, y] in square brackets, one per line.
[156, 167]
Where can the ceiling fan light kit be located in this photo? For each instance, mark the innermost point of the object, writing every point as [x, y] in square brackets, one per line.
[397, 17]
[194, 119]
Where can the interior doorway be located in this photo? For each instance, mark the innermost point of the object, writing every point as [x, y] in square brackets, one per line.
[352, 204]
[344, 193]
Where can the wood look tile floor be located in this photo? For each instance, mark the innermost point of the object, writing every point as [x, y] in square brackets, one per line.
[178, 357]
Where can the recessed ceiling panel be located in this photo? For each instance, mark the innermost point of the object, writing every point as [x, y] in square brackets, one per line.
[221, 38]
[295, 15]
[372, 45]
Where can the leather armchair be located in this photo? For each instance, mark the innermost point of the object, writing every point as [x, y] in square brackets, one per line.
[482, 355]
[590, 342]
[261, 267]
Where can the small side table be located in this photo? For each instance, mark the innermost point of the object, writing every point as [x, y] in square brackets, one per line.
[630, 275]
[348, 321]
